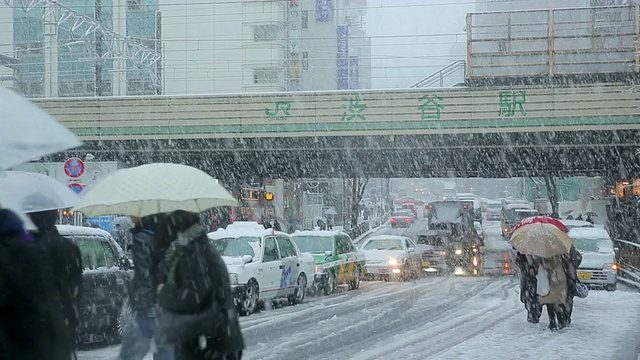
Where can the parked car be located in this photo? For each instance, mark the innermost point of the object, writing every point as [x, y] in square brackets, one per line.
[598, 267]
[390, 256]
[336, 258]
[402, 218]
[104, 308]
[263, 265]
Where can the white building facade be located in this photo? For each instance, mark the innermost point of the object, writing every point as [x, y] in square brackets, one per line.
[210, 46]
[264, 45]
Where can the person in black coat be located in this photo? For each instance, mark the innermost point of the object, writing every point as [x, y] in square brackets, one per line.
[570, 263]
[136, 340]
[196, 281]
[32, 324]
[528, 287]
[67, 266]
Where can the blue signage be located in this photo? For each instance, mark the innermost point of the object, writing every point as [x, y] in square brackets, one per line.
[324, 10]
[342, 57]
[103, 222]
[354, 72]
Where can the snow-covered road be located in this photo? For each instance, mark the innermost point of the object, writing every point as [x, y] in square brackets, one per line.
[437, 318]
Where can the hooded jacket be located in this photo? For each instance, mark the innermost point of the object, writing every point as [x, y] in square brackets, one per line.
[66, 261]
[145, 258]
[197, 280]
[31, 317]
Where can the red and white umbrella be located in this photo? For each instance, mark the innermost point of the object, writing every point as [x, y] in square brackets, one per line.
[541, 219]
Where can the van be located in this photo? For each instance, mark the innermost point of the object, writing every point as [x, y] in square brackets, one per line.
[598, 267]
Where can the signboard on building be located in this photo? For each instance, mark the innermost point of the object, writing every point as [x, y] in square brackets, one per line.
[324, 10]
[354, 72]
[294, 34]
[342, 57]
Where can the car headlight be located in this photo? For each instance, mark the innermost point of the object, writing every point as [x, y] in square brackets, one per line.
[392, 261]
[610, 266]
[233, 278]
[458, 252]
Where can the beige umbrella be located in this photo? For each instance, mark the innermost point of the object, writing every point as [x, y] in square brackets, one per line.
[541, 239]
[153, 189]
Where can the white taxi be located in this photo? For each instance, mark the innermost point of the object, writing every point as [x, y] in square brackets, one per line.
[263, 265]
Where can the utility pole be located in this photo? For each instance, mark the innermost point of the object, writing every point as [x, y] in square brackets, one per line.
[99, 83]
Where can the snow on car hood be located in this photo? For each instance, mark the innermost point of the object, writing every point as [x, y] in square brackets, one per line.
[382, 254]
[234, 264]
[596, 260]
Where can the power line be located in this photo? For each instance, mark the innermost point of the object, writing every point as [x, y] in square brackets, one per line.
[84, 28]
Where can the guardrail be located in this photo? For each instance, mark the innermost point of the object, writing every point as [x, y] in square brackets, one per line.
[628, 258]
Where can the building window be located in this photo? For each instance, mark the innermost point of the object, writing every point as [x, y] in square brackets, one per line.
[266, 76]
[305, 60]
[305, 19]
[266, 32]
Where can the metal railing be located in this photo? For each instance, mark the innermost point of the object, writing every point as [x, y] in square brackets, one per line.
[628, 259]
[440, 75]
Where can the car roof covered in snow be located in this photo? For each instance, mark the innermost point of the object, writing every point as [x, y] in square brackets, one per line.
[577, 224]
[388, 237]
[71, 230]
[243, 229]
[527, 210]
[320, 233]
[589, 233]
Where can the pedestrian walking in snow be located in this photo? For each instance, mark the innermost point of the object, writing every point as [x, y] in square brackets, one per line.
[139, 333]
[528, 271]
[198, 314]
[66, 263]
[32, 324]
[555, 296]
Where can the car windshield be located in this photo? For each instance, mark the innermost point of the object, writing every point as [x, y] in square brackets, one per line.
[314, 244]
[237, 246]
[593, 245]
[384, 244]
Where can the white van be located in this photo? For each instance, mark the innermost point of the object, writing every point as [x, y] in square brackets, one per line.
[598, 267]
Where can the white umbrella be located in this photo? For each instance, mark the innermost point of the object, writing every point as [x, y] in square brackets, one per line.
[331, 212]
[27, 132]
[30, 192]
[152, 189]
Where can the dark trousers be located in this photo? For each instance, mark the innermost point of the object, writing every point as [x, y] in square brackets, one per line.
[557, 316]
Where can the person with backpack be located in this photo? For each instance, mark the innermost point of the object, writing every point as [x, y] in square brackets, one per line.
[66, 265]
[198, 314]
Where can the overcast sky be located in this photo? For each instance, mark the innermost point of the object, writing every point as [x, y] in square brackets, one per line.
[411, 39]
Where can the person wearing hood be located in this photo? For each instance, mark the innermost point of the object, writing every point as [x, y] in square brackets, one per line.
[32, 325]
[67, 266]
[138, 334]
[198, 312]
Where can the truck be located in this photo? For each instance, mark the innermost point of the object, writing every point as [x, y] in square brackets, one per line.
[462, 241]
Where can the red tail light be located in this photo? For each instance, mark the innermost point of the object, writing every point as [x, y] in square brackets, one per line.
[407, 220]
[393, 220]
